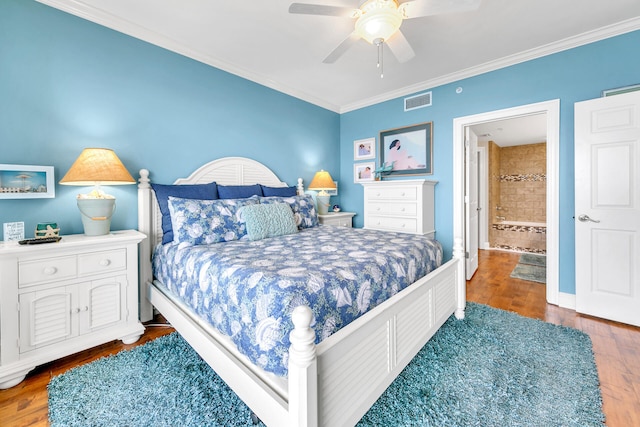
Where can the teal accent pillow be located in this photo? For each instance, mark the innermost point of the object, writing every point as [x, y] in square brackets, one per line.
[270, 220]
[303, 207]
[204, 222]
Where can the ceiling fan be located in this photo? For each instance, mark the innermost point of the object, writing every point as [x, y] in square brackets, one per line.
[378, 21]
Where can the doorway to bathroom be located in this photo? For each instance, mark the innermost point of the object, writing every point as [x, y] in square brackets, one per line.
[512, 183]
[547, 113]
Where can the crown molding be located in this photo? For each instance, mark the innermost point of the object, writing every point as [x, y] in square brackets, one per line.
[101, 17]
[117, 23]
[538, 52]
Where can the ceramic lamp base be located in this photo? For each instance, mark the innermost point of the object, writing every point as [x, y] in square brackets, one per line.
[96, 215]
[323, 204]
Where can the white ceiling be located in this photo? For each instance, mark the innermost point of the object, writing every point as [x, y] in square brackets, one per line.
[260, 41]
[522, 130]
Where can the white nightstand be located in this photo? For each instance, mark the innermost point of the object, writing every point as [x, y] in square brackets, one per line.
[60, 298]
[342, 219]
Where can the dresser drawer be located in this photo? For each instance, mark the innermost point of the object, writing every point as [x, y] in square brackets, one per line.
[405, 225]
[380, 208]
[400, 192]
[46, 270]
[99, 262]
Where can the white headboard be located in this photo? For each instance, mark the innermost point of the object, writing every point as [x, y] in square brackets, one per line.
[224, 171]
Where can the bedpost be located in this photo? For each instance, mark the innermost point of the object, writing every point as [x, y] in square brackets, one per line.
[300, 187]
[303, 376]
[145, 226]
[461, 282]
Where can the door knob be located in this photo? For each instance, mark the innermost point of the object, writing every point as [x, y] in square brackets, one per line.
[585, 218]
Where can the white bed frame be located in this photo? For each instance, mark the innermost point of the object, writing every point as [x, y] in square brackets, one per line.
[335, 382]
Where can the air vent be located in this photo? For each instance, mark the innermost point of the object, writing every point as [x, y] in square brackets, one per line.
[417, 101]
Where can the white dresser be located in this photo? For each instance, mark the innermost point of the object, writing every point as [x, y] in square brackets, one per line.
[60, 298]
[406, 206]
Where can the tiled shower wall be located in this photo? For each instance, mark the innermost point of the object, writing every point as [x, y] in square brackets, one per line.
[518, 192]
[523, 182]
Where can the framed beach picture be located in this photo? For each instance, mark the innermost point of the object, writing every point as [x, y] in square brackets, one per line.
[409, 149]
[364, 149]
[26, 182]
[363, 172]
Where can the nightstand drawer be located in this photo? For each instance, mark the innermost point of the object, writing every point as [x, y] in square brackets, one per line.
[46, 270]
[338, 219]
[405, 225]
[99, 262]
[400, 192]
[380, 208]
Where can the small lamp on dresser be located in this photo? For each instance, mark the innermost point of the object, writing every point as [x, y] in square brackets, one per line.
[97, 166]
[322, 182]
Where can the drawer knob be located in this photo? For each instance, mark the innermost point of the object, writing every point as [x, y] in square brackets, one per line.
[50, 270]
[402, 225]
[105, 262]
[402, 210]
[377, 194]
[378, 208]
[402, 194]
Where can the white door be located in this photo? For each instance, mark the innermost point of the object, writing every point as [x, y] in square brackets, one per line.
[471, 199]
[607, 187]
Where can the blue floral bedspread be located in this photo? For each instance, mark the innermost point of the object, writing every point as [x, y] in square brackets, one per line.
[247, 290]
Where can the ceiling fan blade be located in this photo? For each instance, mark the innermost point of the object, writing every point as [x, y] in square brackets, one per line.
[418, 8]
[400, 47]
[342, 48]
[319, 9]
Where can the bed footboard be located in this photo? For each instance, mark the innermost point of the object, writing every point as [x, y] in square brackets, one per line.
[356, 364]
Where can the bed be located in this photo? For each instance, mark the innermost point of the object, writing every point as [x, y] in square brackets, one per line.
[331, 383]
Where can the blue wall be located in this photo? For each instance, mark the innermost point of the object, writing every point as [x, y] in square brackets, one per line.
[67, 84]
[571, 76]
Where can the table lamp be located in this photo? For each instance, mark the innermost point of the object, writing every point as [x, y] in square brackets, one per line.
[97, 166]
[322, 182]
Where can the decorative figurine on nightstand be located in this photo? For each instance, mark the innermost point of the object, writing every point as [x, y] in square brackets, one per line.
[336, 208]
[47, 229]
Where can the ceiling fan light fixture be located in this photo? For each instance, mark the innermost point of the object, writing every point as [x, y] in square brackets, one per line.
[380, 19]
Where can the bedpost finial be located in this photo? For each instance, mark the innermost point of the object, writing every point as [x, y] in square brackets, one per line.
[300, 187]
[301, 317]
[144, 179]
[302, 337]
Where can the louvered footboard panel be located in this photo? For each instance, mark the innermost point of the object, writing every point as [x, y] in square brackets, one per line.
[355, 368]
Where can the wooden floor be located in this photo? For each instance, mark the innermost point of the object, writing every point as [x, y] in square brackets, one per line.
[616, 347]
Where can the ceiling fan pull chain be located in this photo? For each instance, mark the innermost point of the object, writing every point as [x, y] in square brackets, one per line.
[379, 43]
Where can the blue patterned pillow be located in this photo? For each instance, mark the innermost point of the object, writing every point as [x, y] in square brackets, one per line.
[268, 220]
[195, 191]
[204, 222]
[303, 207]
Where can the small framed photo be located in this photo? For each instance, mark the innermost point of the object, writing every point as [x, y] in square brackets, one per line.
[364, 149]
[26, 182]
[408, 150]
[363, 172]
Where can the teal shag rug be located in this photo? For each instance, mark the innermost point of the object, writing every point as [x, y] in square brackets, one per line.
[494, 368]
[531, 267]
